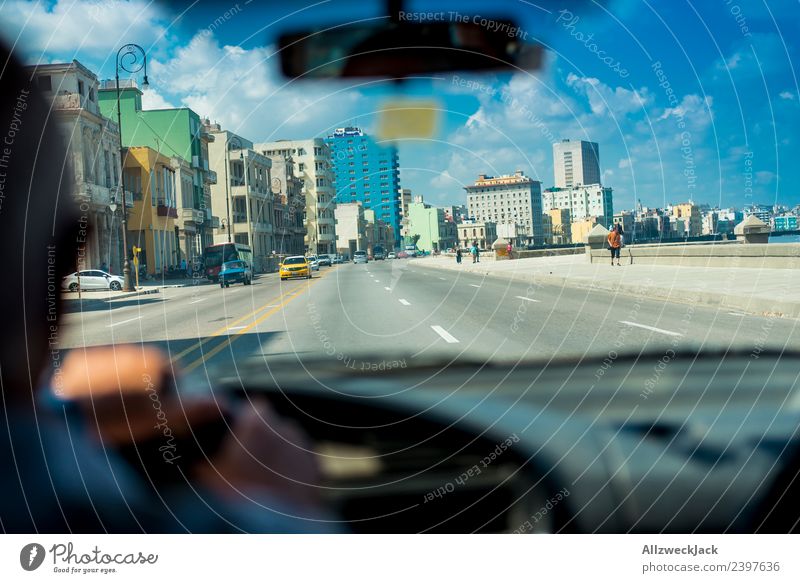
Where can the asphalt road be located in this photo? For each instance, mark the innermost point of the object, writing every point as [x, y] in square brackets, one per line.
[393, 313]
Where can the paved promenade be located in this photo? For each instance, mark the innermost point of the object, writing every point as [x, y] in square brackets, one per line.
[751, 290]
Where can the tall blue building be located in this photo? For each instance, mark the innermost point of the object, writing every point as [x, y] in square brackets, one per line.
[367, 172]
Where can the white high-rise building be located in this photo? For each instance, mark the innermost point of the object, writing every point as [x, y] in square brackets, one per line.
[583, 202]
[312, 159]
[515, 199]
[576, 163]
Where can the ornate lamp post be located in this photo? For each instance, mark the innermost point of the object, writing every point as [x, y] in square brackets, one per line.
[130, 58]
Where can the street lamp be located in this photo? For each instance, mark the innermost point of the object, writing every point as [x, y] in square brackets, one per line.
[136, 61]
[112, 206]
[232, 140]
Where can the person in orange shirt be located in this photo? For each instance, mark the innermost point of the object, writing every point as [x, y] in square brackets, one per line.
[614, 243]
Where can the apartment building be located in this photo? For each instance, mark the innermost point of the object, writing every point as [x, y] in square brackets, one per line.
[246, 196]
[576, 163]
[92, 140]
[514, 198]
[368, 172]
[171, 132]
[583, 202]
[153, 180]
[312, 161]
[289, 207]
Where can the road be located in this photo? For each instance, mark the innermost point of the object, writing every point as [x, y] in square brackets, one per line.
[394, 313]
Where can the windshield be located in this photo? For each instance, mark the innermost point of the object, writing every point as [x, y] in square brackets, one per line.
[631, 192]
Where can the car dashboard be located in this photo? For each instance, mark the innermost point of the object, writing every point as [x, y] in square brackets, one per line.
[689, 443]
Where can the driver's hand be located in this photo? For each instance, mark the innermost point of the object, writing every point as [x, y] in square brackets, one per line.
[123, 391]
[264, 452]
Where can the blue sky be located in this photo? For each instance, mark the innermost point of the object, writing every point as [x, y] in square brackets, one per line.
[726, 134]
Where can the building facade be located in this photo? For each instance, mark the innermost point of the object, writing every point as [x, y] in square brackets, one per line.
[351, 228]
[576, 163]
[246, 197]
[92, 141]
[481, 233]
[583, 202]
[430, 227]
[312, 164]
[692, 219]
[171, 132]
[367, 172]
[153, 180]
[508, 199]
[289, 207]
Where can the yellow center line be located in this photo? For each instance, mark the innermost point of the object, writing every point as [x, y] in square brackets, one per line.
[231, 338]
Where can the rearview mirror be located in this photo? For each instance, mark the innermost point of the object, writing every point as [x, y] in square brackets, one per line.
[402, 49]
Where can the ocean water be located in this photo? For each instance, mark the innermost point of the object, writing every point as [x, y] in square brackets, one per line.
[785, 239]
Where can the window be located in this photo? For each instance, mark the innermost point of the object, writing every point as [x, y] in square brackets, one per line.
[80, 86]
[301, 167]
[45, 83]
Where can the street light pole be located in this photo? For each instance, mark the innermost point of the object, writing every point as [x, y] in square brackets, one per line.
[133, 53]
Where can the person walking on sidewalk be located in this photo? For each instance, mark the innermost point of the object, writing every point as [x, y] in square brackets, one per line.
[477, 253]
[614, 243]
[510, 251]
[458, 255]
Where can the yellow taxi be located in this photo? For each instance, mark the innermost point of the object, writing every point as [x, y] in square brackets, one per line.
[295, 266]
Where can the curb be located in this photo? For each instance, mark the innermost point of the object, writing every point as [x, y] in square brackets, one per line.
[756, 306]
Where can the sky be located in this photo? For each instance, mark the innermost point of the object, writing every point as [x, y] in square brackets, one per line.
[687, 100]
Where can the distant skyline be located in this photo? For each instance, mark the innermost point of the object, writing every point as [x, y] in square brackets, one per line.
[685, 100]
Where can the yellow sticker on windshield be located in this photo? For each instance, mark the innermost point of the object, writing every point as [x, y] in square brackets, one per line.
[401, 119]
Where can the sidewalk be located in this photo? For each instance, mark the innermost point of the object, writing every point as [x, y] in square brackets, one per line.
[107, 294]
[752, 290]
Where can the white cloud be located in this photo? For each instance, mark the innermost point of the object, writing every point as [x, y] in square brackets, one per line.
[70, 26]
[240, 89]
[786, 95]
[152, 99]
[605, 99]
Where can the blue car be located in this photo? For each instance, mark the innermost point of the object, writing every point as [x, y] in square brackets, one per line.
[235, 272]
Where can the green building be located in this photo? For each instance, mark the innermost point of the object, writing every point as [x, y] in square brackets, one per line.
[435, 232]
[177, 133]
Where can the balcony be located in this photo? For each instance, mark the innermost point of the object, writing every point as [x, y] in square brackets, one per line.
[192, 215]
[166, 211]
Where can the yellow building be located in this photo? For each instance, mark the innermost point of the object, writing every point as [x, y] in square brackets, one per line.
[560, 225]
[692, 219]
[150, 179]
[580, 229]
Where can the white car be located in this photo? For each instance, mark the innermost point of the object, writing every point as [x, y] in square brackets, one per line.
[313, 261]
[360, 257]
[92, 279]
[391, 255]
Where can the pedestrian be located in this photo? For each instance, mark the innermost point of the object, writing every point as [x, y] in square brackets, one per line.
[104, 267]
[474, 252]
[477, 253]
[458, 255]
[510, 251]
[614, 244]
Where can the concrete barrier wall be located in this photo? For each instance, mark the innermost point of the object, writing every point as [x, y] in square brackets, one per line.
[719, 254]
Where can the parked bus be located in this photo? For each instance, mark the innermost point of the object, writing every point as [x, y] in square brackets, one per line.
[215, 255]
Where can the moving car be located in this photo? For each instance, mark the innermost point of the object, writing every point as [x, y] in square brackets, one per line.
[92, 279]
[325, 260]
[235, 272]
[295, 266]
[378, 253]
[360, 257]
[313, 261]
[391, 255]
